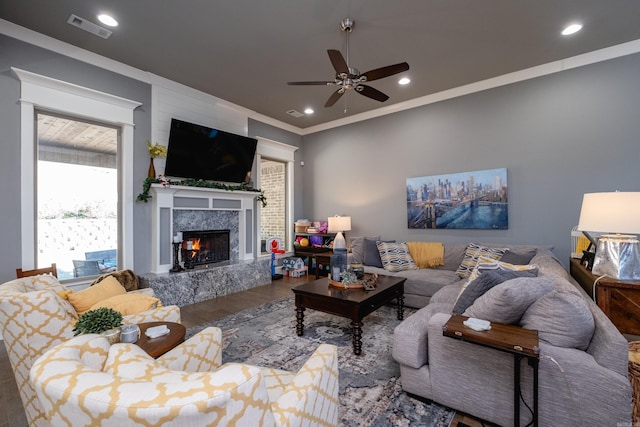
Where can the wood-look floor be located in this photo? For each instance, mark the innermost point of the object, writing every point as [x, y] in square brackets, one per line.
[12, 413]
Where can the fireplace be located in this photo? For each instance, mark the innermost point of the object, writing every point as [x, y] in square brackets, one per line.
[204, 247]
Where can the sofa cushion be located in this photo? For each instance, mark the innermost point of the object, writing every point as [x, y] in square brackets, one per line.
[507, 302]
[485, 281]
[562, 318]
[518, 258]
[471, 255]
[357, 248]
[129, 303]
[371, 254]
[447, 293]
[83, 300]
[395, 256]
[427, 254]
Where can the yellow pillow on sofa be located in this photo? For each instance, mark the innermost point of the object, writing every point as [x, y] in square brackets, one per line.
[129, 303]
[83, 300]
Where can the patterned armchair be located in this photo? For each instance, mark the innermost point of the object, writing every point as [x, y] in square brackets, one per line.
[34, 318]
[84, 381]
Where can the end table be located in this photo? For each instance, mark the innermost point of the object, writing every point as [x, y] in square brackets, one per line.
[521, 342]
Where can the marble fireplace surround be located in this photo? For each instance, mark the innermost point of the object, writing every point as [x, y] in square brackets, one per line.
[179, 208]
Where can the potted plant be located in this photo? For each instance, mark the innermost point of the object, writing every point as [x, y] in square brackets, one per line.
[105, 321]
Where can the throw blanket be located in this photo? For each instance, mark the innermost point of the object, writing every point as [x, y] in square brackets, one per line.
[426, 254]
[127, 279]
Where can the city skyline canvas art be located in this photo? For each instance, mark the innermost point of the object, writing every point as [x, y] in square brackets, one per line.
[465, 200]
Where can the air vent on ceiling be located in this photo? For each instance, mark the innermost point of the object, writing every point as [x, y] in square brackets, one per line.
[295, 113]
[88, 26]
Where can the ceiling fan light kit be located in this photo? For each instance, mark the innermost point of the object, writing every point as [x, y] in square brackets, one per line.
[348, 77]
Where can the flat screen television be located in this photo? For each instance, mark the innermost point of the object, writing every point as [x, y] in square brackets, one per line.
[200, 152]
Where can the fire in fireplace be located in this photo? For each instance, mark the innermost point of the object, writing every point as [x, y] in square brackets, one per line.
[204, 247]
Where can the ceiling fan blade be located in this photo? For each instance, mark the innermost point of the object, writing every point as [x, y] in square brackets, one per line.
[334, 98]
[338, 62]
[316, 83]
[372, 93]
[387, 71]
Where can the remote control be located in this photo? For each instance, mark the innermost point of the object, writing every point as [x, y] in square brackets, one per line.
[477, 324]
[157, 331]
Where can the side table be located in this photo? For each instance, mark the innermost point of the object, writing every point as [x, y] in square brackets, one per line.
[521, 342]
[618, 299]
[156, 347]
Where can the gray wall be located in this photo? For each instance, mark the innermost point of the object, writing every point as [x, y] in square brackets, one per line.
[14, 53]
[559, 136]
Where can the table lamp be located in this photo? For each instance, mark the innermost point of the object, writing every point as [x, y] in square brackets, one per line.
[617, 255]
[338, 224]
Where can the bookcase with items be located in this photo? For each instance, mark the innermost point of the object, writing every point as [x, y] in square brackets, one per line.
[316, 250]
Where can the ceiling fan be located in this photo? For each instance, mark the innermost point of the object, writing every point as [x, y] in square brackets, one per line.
[350, 78]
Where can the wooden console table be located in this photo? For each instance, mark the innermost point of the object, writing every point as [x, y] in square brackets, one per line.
[521, 342]
[618, 299]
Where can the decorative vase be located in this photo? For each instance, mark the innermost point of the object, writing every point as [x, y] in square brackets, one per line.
[152, 168]
[112, 335]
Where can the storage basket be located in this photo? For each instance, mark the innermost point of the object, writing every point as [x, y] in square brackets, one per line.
[301, 226]
[634, 378]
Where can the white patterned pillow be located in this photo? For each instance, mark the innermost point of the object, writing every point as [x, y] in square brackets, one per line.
[487, 263]
[471, 256]
[395, 256]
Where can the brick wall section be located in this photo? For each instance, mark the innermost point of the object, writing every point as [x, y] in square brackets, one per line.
[272, 182]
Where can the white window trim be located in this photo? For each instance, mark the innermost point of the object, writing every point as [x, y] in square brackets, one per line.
[41, 92]
[274, 150]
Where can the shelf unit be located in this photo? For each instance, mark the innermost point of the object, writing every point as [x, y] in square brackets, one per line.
[317, 255]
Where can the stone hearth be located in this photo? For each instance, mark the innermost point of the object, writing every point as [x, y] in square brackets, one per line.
[201, 284]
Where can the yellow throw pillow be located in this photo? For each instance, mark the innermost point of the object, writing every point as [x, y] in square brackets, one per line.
[427, 254]
[129, 303]
[83, 300]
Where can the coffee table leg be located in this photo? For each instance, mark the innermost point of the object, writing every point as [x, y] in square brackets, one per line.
[401, 307]
[356, 332]
[300, 320]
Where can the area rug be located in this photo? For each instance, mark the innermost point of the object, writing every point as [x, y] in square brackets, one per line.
[370, 388]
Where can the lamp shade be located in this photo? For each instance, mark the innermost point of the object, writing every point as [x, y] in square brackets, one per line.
[614, 212]
[339, 223]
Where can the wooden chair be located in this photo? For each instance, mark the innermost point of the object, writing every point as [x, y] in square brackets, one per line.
[46, 270]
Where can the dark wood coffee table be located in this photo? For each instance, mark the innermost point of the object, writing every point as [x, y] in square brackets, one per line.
[156, 347]
[353, 304]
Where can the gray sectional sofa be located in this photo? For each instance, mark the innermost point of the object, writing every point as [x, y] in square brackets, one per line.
[423, 283]
[583, 366]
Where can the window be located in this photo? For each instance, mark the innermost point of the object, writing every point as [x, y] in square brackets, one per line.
[273, 216]
[274, 161]
[77, 196]
[43, 93]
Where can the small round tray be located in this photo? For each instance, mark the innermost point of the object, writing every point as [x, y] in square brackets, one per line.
[371, 278]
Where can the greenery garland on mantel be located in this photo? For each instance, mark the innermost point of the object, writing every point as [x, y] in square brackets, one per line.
[189, 182]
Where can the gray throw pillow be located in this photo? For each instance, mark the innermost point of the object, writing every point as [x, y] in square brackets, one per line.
[518, 258]
[357, 248]
[507, 302]
[485, 281]
[371, 253]
[562, 319]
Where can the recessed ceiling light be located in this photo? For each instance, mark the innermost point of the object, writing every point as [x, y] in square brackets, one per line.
[308, 110]
[404, 81]
[108, 20]
[571, 29]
